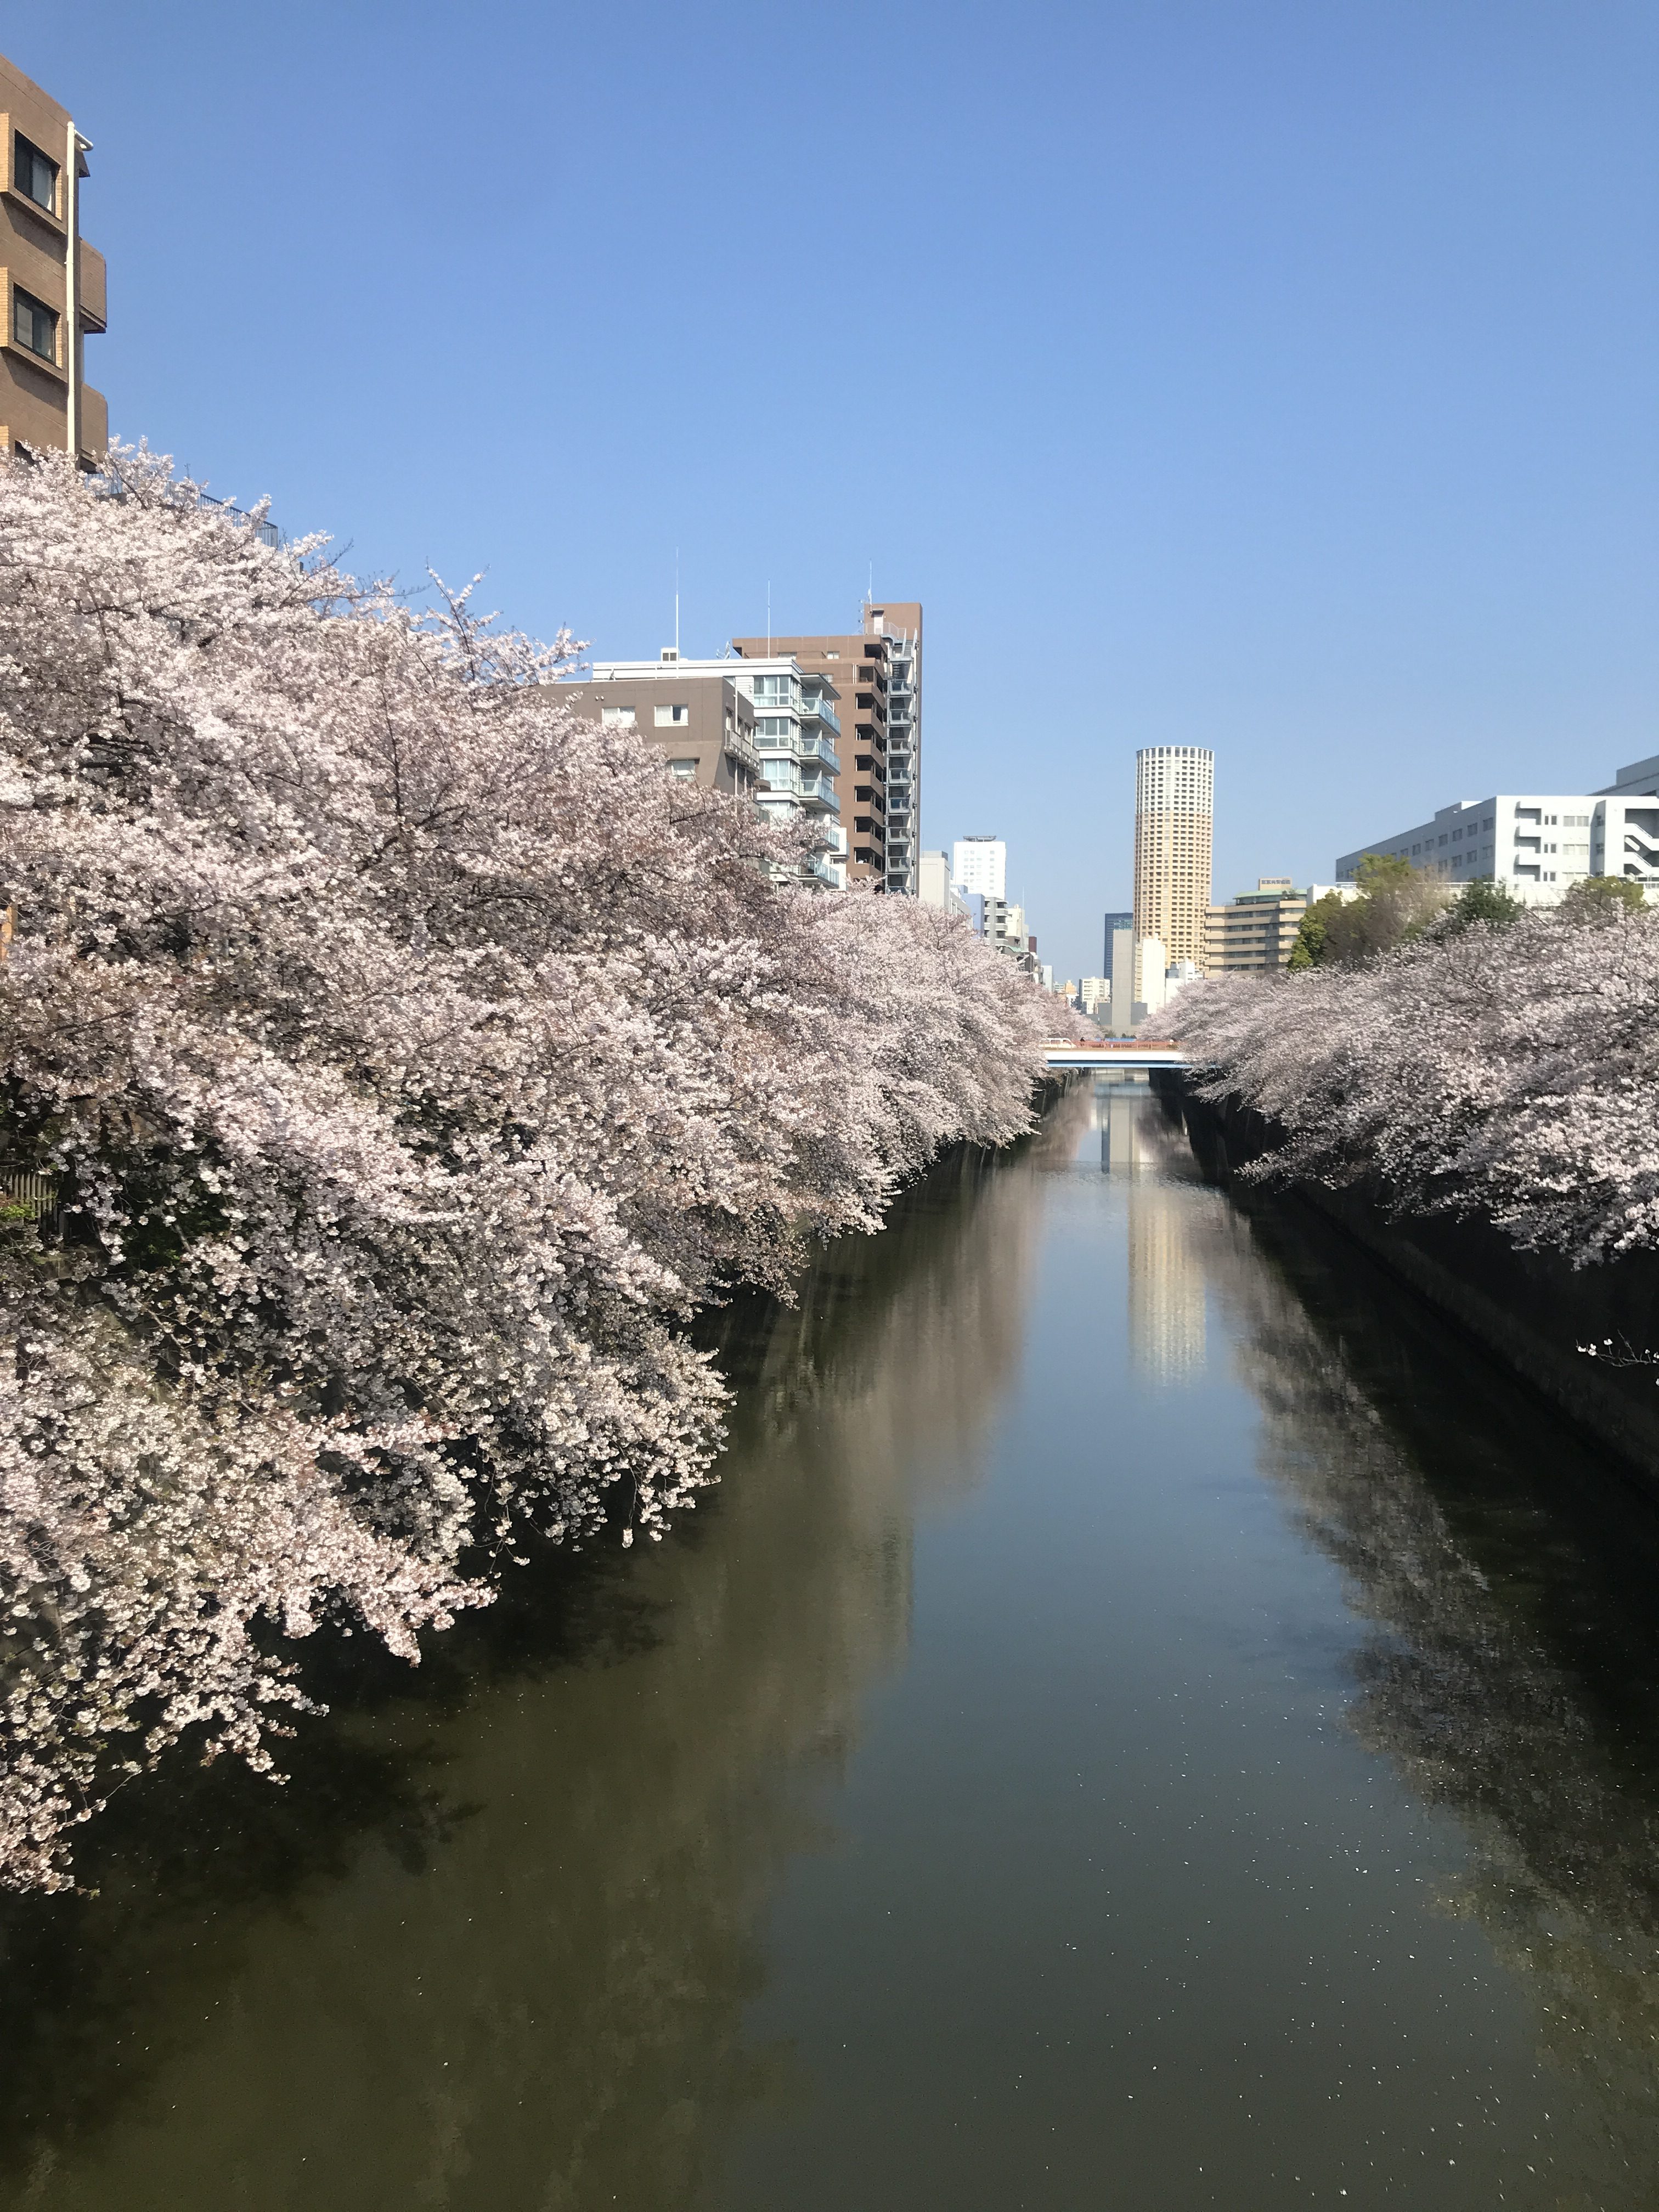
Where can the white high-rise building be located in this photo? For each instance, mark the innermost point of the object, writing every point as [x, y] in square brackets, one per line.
[981, 864]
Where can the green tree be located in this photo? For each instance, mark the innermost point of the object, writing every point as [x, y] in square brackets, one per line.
[1308, 950]
[1493, 903]
[1602, 898]
[1394, 902]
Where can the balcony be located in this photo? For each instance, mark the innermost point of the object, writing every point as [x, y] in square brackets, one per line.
[94, 289]
[94, 424]
[819, 710]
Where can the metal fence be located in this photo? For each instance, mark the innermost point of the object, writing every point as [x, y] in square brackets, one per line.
[27, 1190]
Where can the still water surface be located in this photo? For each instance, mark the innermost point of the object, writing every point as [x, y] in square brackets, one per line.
[1147, 1721]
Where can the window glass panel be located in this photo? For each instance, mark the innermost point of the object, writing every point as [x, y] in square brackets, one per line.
[37, 176]
[33, 324]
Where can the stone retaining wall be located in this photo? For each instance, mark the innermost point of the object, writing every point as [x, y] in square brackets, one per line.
[1531, 1309]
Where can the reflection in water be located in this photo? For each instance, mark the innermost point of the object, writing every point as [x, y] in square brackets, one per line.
[1167, 1338]
[496, 1947]
[1512, 1671]
[507, 1968]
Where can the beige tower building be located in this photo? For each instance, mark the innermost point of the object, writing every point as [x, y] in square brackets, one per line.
[1175, 798]
[54, 280]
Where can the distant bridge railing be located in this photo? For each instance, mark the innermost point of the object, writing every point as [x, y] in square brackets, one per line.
[1130, 1053]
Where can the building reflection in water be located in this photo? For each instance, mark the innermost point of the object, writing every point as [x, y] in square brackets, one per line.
[1168, 1342]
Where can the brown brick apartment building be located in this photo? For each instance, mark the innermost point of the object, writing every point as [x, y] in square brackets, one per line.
[877, 672]
[54, 282]
[694, 713]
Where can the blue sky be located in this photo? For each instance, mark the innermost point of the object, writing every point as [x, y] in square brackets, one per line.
[1274, 377]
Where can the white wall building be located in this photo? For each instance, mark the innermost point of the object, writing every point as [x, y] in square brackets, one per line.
[935, 888]
[1120, 1003]
[981, 864]
[1539, 845]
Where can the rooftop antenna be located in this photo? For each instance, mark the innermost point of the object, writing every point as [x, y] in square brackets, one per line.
[768, 618]
[677, 603]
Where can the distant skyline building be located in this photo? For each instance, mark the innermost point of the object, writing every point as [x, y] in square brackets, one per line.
[1175, 808]
[1114, 923]
[876, 670]
[1537, 846]
[1258, 929]
[981, 864]
[935, 888]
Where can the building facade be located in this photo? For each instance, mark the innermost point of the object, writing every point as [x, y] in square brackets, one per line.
[1114, 923]
[55, 283]
[876, 672]
[934, 886]
[1537, 845]
[981, 864]
[762, 730]
[1258, 929]
[1175, 805]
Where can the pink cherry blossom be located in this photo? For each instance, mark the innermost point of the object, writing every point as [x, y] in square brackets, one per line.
[413, 1059]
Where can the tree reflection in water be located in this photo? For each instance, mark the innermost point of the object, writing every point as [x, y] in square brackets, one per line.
[1512, 1670]
[493, 1944]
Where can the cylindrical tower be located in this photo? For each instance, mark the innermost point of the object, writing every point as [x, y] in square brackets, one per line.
[1174, 799]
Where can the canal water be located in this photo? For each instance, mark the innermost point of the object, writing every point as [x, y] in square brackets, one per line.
[1149, 1720]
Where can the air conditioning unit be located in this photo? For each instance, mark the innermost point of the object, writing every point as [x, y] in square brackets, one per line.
[671, 653]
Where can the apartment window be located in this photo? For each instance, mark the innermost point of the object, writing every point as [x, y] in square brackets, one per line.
[33, 324]
[685, 769]
[673, 718]
[617, 718]
[36, 174]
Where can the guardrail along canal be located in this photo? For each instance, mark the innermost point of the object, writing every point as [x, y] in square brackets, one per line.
[1148, 1720]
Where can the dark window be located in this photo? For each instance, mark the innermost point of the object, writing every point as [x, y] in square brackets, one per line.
[34, 324]
[36, 174]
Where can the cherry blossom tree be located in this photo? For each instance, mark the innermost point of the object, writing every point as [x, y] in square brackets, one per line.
[411, 1058]
[1508, 1071]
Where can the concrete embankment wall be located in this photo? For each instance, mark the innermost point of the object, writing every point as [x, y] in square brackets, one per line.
[1533, 1310]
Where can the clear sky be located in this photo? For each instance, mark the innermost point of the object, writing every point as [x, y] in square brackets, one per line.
[1279, 378]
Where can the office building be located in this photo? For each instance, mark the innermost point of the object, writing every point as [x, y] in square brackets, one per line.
[1114, 923]
[762, 730]
[54, 281]
[1258, 929]
[1537, 845]
[1120, 1016]
[981, 864]
[934, 886]
[876, 672]
[1175, 789]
